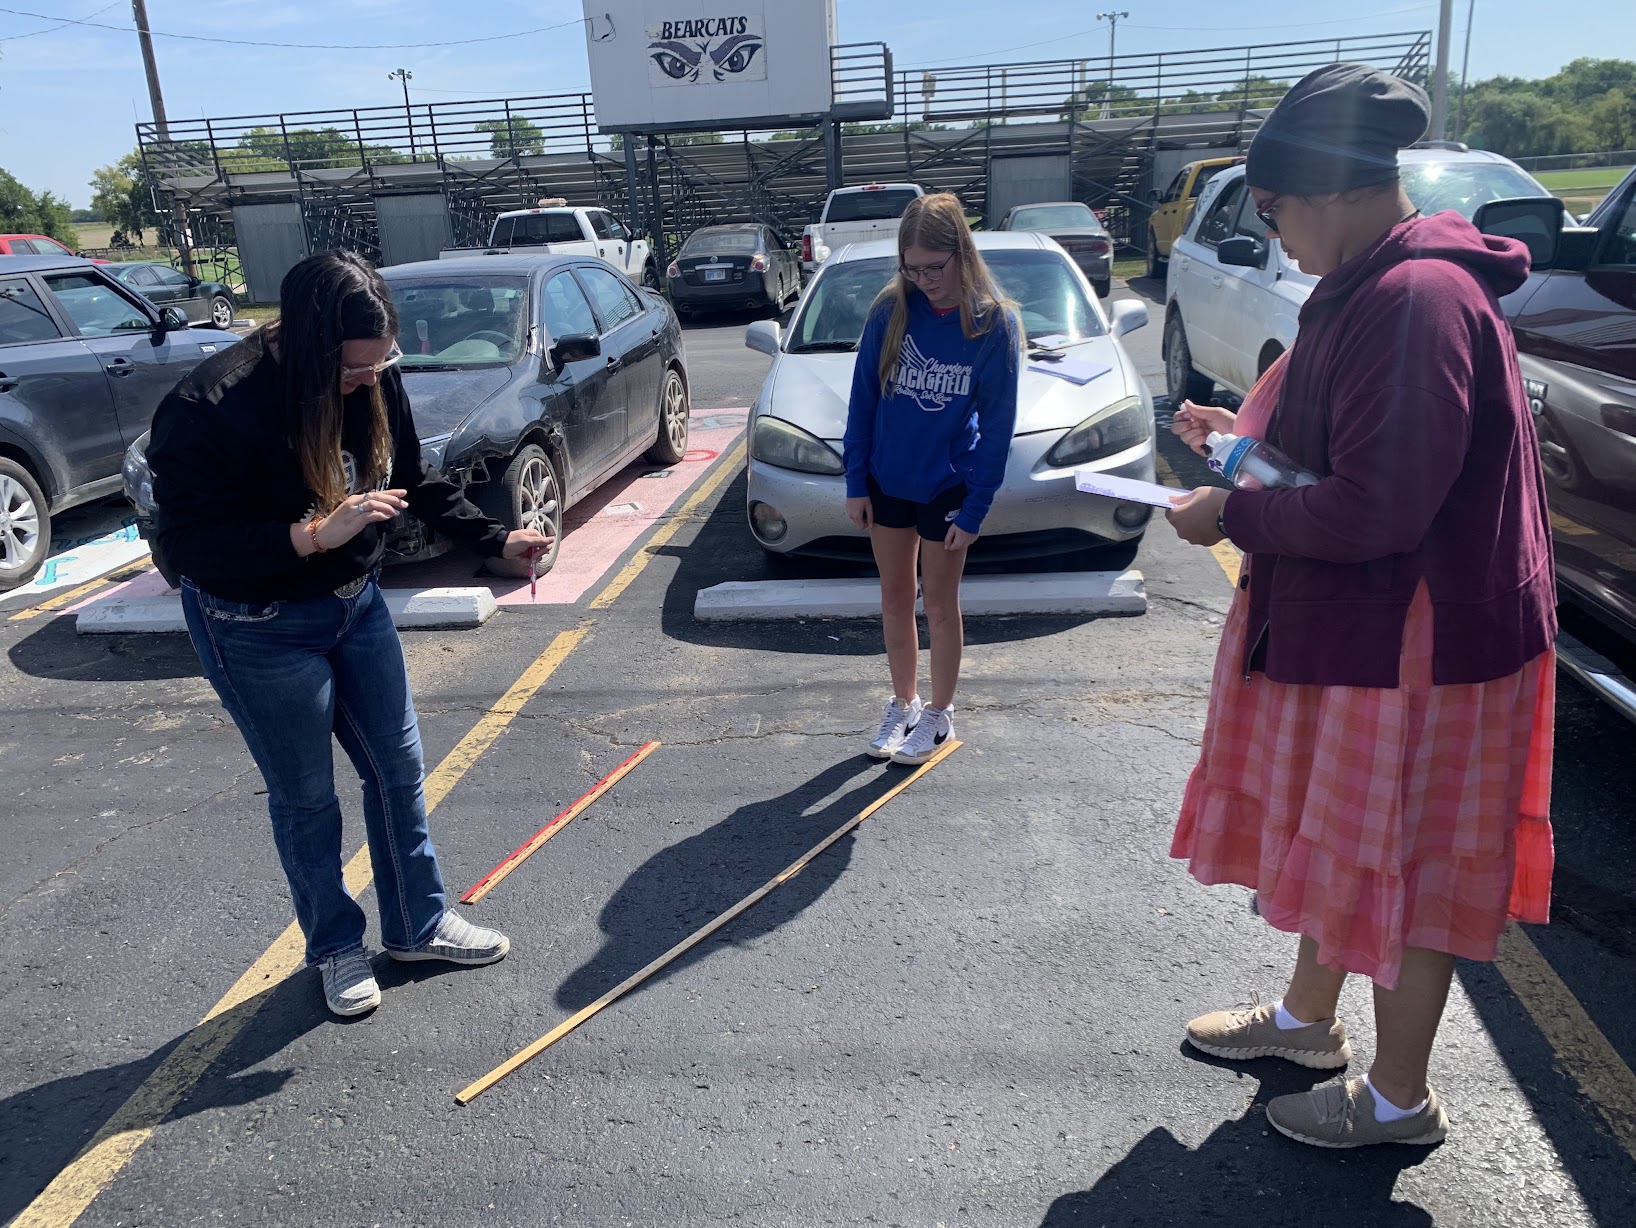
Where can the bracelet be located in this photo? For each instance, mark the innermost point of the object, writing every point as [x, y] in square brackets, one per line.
[1221, 526]
[312, 534]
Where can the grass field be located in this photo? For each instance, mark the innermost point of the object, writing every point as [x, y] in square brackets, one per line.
[1604, 178]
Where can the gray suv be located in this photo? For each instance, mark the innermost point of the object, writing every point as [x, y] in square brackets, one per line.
[84, 362]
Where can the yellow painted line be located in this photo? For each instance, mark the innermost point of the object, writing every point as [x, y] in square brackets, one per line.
[1570, 528]
[1225, 552]
[1582, 1051]
[51, 604]
[644, 555]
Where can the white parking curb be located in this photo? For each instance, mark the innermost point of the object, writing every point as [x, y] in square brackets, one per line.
[412, 610]
[1079, 592]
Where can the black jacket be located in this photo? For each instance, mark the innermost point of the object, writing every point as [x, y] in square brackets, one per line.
[228, 483]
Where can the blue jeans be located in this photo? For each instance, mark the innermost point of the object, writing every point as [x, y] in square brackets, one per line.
[290, 673]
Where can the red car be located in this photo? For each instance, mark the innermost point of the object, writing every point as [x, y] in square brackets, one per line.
[35, 245]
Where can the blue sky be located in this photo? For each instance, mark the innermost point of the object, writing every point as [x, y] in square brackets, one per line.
[69, 97]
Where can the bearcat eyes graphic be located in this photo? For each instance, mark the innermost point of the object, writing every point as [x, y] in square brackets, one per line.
[682, 61]
[677, 60]
[735, 54]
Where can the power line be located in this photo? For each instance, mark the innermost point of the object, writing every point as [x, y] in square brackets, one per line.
[62, 22]
[250, 42]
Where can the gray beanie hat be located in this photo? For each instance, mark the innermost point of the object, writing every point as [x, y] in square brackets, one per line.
[1338, 128]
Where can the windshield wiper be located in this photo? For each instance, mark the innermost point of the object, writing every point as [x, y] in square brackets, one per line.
[825, 347]
[429, 366]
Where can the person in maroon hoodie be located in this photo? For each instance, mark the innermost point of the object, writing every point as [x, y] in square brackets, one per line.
[1376, 758]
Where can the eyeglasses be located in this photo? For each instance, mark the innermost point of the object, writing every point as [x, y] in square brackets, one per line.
[925, 272]
[1268, 213]
[357, 373]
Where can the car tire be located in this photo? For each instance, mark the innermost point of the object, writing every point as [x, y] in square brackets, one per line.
[674, 410]
[1182, 381]
[221, 312]
[526, 496]
[1103, 288]
[1155, 262]
[25, 525]
[650, 277]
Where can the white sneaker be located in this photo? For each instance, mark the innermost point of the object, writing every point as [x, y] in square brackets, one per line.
[935, 727]
[896, 721]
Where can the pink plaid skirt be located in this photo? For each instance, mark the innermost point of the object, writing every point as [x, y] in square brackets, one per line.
[1371, 820]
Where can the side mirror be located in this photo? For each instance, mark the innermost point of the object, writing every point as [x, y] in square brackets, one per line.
[764, 337]
[1538, 222]
[1244, 251]
[1127, 316]
[1155, 195]
[171, 320]
[573, 347]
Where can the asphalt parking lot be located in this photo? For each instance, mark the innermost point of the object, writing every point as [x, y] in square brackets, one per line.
[967, 1012]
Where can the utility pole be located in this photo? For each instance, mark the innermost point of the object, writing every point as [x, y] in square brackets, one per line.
[1440, 77]
[1465, 66]
[1113, 20]
[404, 75]
[139, 10]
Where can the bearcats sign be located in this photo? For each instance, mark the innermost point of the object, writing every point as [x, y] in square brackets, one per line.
[708, 50]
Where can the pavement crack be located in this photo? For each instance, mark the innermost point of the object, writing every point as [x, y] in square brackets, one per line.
[1197, 605]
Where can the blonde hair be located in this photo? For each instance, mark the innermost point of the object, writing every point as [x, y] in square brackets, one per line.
[937, 223]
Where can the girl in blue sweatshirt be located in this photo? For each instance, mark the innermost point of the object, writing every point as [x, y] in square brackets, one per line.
[928, 430]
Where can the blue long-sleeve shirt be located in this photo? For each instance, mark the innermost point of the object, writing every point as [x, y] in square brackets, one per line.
[947, 416]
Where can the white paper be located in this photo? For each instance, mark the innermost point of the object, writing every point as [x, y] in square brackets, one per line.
[1051, 341]
[1129, 490]
[1072, 371]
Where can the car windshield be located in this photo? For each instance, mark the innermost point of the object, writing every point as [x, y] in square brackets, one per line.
[1463, 186]
[738, 239]
[1048, 216]
[1205, 175]
[461, 322]
[1044, 284]
[868, 205]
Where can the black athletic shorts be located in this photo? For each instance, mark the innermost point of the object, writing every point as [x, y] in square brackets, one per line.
[932, 519]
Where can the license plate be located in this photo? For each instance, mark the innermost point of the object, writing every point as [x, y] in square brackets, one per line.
[715, 274]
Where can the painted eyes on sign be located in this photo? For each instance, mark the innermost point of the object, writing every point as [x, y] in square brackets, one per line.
[735, 54]
[682, 62]
[677, 60]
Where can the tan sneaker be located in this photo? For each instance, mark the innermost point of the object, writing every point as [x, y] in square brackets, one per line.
[1244, 1034]
[1343, 1115]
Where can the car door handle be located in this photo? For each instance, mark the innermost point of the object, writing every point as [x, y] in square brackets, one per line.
[7, 383]
[615, 363]
[1215, 279]
[602, 251]
[120, 366]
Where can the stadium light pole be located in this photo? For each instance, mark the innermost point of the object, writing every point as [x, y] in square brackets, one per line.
[1113, 20]
[404, 75]
[1440, 77]
[161, 126]
[1465, 68]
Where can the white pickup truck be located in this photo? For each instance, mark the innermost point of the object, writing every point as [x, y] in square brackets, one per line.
[554, 229]
[855, 215]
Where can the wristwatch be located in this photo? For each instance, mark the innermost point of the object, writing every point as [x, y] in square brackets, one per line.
[1220, 526]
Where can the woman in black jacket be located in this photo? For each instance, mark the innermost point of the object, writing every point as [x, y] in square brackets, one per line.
[276, 466]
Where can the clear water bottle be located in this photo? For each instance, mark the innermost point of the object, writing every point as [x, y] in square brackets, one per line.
[1252, 464]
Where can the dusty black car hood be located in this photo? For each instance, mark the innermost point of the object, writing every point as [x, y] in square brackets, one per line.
[442, 400]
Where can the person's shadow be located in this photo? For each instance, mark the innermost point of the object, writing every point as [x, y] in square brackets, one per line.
[683, 887]
[1246, 1174]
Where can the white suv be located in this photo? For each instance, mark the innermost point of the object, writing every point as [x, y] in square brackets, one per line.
[1232, 298]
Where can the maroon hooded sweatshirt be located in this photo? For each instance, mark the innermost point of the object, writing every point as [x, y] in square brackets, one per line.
[1403, 393]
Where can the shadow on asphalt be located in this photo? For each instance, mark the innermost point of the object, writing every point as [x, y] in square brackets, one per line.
[683, 887]
[58, 651]
[44, 1128]
[1246, 1175]
[723, 550]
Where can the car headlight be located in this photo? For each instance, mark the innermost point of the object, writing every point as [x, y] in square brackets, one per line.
[1124, 424]
[776, 442]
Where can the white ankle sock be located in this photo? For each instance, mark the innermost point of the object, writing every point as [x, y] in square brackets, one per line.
[1287, 1022]
[1386, 1111]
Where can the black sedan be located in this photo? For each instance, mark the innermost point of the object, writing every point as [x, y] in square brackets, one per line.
[1077, 231]
[202, 302]
[742, 267]
[533, 379]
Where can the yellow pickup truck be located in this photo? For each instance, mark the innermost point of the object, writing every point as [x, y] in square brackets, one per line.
[1173, 206]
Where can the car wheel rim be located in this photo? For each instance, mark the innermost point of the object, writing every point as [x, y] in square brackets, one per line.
[222, 315]
[1177, 364]
[19, 525]
[676, 414]
[537, 503]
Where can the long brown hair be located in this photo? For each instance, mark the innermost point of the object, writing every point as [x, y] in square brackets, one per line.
[937, 223]
[325, 300]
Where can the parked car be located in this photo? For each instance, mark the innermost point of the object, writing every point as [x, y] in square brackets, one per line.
[1232, 298]
[1575, 324]
[203, 302]
[797, 489]
[84, 363]
[742, 266]
[36, 245]
[1174, 206]
[1077, 230]
[855, 215]
[556, 229]
[532, 380]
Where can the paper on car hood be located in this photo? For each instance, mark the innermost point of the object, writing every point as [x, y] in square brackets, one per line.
[811, 390]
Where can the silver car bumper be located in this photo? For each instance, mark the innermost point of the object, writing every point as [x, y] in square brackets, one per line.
[1036, 511]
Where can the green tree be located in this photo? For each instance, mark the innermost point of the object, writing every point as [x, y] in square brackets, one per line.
[308, 149]
[26, 212]
[513, 137]
[121, 194]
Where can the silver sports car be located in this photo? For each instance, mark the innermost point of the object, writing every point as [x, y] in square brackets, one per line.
[797, 492]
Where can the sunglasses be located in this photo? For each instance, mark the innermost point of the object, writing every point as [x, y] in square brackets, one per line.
[357, 373]
[924, 272]
[1268, 213]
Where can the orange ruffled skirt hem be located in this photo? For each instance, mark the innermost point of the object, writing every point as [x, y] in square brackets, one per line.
[1372, 820]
